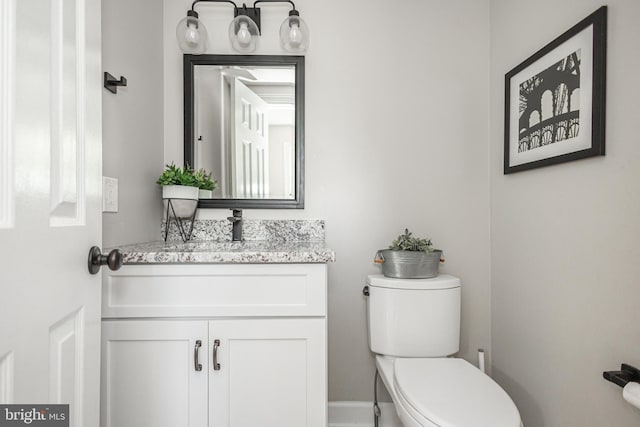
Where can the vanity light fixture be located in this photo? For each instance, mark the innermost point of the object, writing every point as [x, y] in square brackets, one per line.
[243, 30]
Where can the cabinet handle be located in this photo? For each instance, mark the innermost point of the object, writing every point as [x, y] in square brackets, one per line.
[196, 356]
[216, 365]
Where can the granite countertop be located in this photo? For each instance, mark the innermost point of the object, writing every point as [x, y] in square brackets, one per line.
[247, 252]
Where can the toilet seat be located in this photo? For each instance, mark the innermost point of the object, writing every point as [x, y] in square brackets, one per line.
[446, 392]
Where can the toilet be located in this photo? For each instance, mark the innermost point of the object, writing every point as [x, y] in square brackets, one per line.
[414, 326]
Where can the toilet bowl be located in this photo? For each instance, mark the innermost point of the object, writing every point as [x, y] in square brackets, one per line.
[414, 328]
[445, 392]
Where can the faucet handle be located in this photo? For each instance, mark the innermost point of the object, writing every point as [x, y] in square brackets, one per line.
[237, 215]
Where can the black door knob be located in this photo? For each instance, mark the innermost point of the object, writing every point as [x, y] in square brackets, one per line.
[113, 260]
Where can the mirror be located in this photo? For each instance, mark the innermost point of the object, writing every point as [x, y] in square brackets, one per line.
[244, 123]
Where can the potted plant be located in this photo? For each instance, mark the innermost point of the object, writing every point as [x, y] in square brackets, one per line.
[180, 188]
[206, 185]
[409, 257]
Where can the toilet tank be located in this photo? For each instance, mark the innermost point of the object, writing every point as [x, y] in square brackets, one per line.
[414, 317]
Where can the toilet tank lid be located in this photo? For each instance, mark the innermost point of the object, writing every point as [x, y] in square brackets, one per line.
[443, 281]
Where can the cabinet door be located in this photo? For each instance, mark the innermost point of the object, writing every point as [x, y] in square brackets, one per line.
[149, 377]
[272, 373]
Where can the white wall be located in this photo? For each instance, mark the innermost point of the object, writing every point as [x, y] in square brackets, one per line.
[565, 270]
[132, 119]
[396, 136]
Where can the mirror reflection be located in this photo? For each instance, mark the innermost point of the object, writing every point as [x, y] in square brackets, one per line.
[244, 129]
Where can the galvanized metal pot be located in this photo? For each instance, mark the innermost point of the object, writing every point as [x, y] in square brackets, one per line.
[409, 264]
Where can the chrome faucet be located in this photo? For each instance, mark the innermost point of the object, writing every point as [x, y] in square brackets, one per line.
[236, 222]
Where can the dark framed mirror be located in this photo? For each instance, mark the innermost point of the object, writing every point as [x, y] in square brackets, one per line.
[244, 123]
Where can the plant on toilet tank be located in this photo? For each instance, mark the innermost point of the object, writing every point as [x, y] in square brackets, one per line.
[405, 242]
[409, 257]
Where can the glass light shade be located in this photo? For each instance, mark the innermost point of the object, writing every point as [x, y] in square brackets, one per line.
[191, 34]
[294, 34]
[243, 33]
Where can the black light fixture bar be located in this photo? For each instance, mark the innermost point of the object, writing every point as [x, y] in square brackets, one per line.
[251, 12]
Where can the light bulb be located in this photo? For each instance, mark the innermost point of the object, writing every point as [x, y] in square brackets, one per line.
[243, 33]
[191, 35]
[244, 36]
[295, 35]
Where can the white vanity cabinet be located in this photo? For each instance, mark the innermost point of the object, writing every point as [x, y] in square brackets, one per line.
[214, 345]
[148, 376]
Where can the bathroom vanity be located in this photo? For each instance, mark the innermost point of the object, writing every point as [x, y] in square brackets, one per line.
[216, 334]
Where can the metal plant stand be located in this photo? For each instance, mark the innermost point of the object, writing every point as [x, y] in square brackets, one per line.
[184, 230]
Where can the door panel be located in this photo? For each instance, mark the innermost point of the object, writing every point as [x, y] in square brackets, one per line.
[6, 378]
[149, 376]
[272, 373]
[66, 351]
[256, 365]
[7, 103]
[50, 203]
[67, 111]
[250, 151]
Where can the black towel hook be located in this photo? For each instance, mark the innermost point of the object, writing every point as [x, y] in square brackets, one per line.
[111, 83]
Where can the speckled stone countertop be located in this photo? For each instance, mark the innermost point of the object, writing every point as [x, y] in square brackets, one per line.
[247, 252]
[290, 230]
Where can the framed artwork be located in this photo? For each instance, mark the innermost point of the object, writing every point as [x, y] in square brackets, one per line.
[555, 100]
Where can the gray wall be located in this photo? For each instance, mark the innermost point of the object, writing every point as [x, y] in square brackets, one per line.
[209, 124]
[132, 119]
[396, 136]
[565, 270]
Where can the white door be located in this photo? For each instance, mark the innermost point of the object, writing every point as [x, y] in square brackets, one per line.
[50, 204]
[154, 373]
[272, 372]
[250, 150]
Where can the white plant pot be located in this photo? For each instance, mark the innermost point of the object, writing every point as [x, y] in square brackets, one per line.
[205, 194]
[184, 199]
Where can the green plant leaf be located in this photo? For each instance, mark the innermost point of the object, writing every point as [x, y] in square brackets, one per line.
[174, 175]
[405, 242]
[204, 181]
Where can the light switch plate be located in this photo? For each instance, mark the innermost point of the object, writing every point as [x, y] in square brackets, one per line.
[109, 194]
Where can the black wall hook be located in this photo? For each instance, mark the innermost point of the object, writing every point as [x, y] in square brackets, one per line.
[111, 83]
[626, 374]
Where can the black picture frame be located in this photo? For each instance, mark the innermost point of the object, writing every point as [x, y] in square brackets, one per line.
[555, 99]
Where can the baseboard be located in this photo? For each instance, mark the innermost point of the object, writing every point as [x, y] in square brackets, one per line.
[360, 414]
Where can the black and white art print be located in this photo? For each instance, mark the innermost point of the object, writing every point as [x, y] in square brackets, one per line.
[554, 101]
